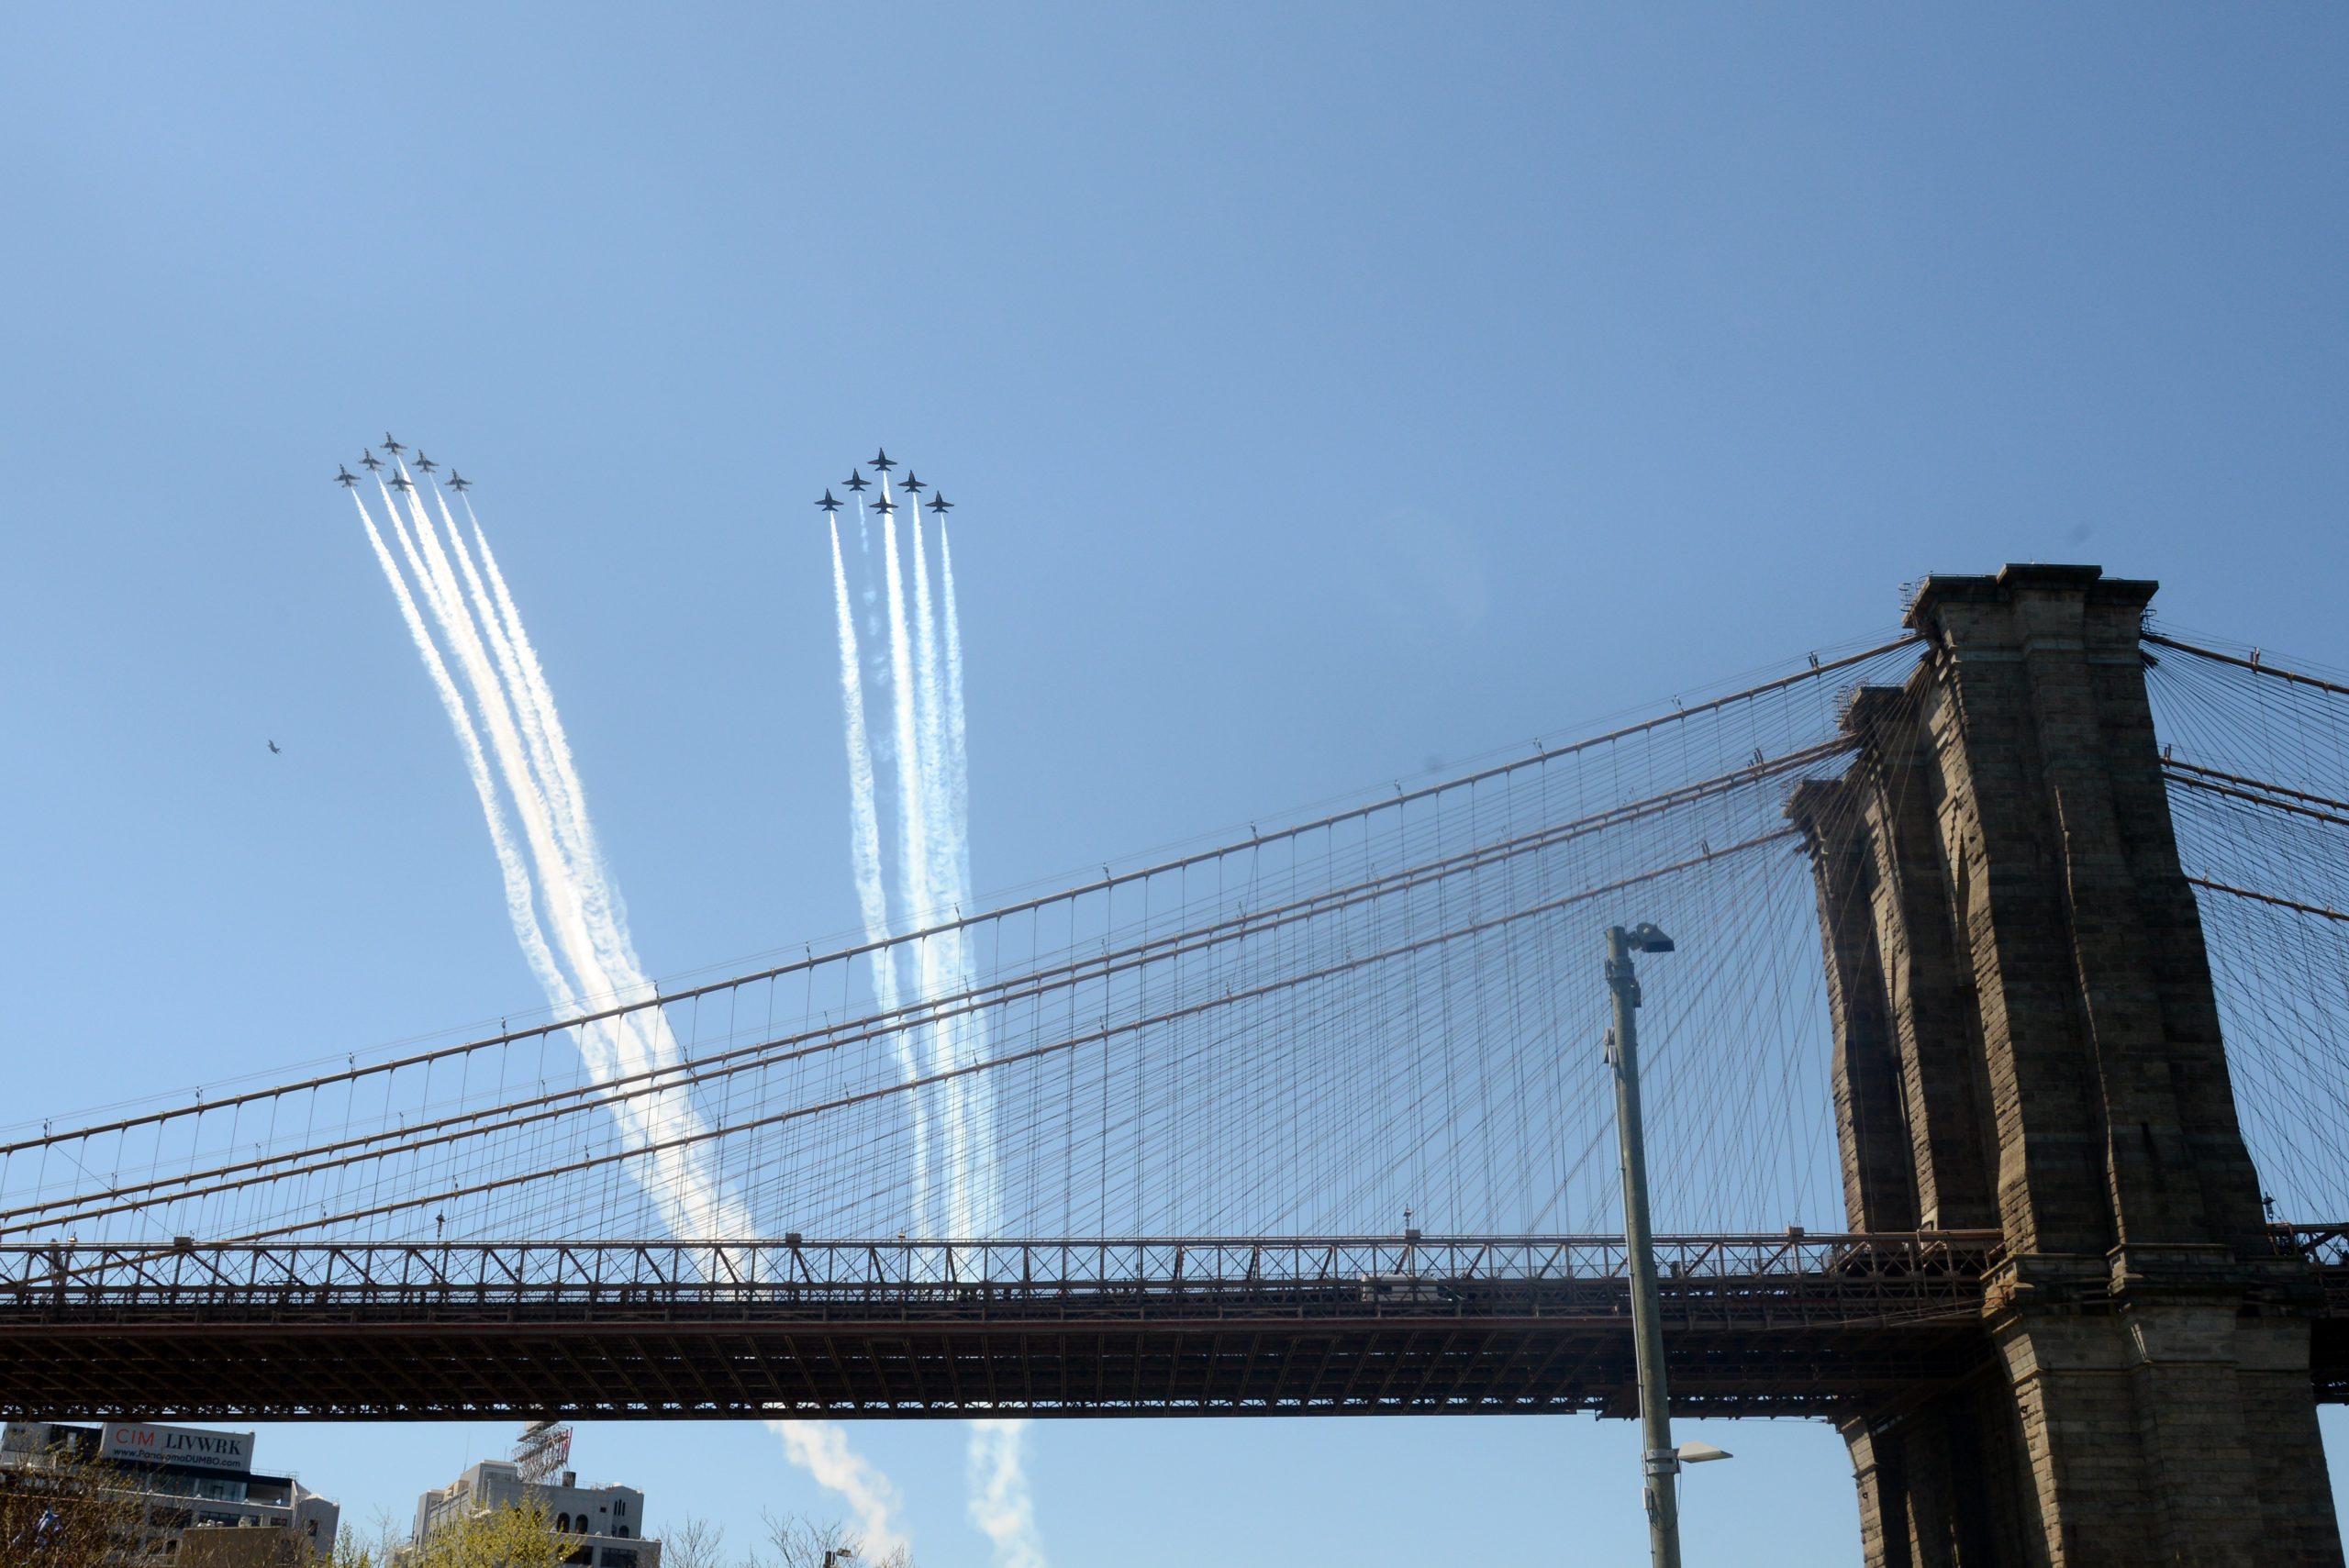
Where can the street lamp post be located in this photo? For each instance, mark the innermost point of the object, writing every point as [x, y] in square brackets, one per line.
[1660, 1463]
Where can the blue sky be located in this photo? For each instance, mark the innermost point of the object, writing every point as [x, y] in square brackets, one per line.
[1330, 390]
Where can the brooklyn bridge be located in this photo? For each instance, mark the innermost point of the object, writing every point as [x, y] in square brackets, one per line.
[1994, 1094]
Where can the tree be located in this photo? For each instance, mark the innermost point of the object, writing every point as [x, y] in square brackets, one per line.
[65, 1509]
[516, 1537]
[695, 1544]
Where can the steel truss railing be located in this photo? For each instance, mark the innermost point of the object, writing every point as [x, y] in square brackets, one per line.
[1841, 1277]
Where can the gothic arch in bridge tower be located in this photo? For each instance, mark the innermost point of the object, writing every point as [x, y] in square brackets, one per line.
[2026, 1037]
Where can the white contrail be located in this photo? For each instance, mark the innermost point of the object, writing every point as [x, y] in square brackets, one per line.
[821, 1447]
[954, 809]
[865, 855]
[668, 1115]
[692, 1199]
[918, 903]
[516, 877]
[958, 762]
[1000, 1506]
[941, 955]
[535, 762]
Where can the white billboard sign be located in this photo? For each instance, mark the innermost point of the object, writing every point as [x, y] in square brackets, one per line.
[144, 1442]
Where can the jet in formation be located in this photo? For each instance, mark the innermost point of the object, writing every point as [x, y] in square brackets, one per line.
[941, 505]
[400, 481]
[392, 446]
[885, 505]
[856, 481]
[457, 482]
[424, 464]
[881, 463]
[828, 505]
[344, 477]
[910, 482]
[368, 460]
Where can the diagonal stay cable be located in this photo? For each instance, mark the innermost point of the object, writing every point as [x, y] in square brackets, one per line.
[415, 1137]
[1541, 757]
[1073, 1042]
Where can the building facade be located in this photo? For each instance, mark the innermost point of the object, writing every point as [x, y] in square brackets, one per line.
[198, 1498]
[605, 1523]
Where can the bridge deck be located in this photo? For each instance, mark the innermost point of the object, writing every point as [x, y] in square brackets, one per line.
[1781, 1325]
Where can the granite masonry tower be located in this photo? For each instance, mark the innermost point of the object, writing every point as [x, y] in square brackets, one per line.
[2026, 1039]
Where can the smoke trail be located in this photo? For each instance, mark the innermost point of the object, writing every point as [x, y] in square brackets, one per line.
[668, 1115]
[958, 762]
[941, 955]
[919, 900]
[822, 1449]
[954, 872]
[691, 1197]
[864, 854]
[519, 909]
[1000, 1506]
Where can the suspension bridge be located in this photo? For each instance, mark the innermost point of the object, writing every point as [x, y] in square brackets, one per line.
[1994, 1096]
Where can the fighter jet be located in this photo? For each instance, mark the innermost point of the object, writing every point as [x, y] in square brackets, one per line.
[941, 505]
[885, 505]
[910, 482]
[274, 750]
[459, 483]
[881, 463]
[400, 481]
[392, 446]
[424, 464]
[828, 505]
[856, 481]
[344, 477]
[368, 460]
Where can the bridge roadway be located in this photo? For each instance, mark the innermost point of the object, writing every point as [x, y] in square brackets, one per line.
[1757, 1325]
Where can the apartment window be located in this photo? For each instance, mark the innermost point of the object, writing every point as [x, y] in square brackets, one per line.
[562, 1524]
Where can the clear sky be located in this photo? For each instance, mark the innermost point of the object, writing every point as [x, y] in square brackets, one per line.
[1328, 390]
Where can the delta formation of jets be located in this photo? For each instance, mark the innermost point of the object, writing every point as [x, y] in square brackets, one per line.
[856, 482]
[399, 481]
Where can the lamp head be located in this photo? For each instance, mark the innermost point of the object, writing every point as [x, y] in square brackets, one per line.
[1646, 937]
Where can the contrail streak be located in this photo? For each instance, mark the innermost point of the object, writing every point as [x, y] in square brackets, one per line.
[941, 955]
[954, 810]
[958, 764]
[821, 1447]
[1000, 1506]
[864, 854]
[519, 909]
[593, 946]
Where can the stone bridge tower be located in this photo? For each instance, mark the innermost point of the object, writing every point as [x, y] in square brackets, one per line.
[2026, 1039]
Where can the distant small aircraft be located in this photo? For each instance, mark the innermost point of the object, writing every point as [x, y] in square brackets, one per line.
[856, 481]
[400, 481]
[828, 505]
[392, 446]
[459, 483]
[424, 464]
[910, 482]
[368, 460]
[274, 750]
[885, 505]
[881, 463]
[941, 505]
[344, 477]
